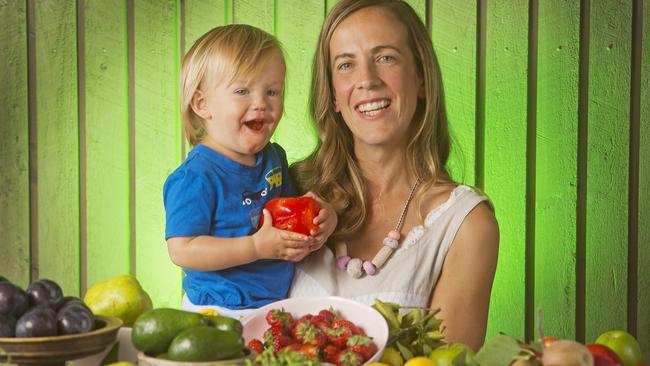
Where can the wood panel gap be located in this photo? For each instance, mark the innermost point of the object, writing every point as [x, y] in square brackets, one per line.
[428, 15]
[182, 45]
[33, 141]
[531, 168]
[581, 207]
[130, 20]
[635, 138]
[83, 162]
[481, 30]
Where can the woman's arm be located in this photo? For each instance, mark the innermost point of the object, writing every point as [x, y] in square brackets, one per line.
[463, 289]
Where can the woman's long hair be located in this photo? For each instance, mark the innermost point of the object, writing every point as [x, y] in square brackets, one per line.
[331, 170]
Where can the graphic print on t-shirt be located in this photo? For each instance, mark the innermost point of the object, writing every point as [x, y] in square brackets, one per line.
[274, 178]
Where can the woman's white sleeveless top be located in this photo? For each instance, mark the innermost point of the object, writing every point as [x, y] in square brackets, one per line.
[410, 274]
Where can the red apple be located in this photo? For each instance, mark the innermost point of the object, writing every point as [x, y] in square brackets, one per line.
[603, 355]
[623, 344]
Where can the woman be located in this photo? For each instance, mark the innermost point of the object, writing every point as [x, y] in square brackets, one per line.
[378, 104]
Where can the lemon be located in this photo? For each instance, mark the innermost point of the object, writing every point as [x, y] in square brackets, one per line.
[420, 361]
[121, 297]
[378, 364]
[392, 357]
[211, 312]
[121, 363]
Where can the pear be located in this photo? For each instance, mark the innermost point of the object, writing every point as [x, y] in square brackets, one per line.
[121, 297]
[566, 352]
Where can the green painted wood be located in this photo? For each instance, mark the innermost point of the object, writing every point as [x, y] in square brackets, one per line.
[556, 170]
[329, 4]
[505, 157]
[157, 142]
[14, 156]
[107, 140]
[643, 250]
[201, 16]
[420, 7]
[607, 167]
[58, 143]
[259, 13]
[298, 28]
[454, 39]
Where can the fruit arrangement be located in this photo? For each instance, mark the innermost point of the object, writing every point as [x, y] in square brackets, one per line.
[179, 335]
[415, 340]
[41, 311]
[312, 338]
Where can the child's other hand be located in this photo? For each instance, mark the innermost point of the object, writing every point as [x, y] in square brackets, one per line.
[326, 221]
[273, 243]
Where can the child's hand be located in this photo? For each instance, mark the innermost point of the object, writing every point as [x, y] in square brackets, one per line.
[326, 221]
[272, 243]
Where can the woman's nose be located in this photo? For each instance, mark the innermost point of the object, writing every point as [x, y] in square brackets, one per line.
[368, 77]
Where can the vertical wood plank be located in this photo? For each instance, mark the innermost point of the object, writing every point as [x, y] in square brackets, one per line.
[505, 157]
[298, 28]
[643, 264]
[329, 4]
[157, 142]
[607, 167]
[107, 139]
[201, 16]
[258, 13]
[58, 143]
[454, 39]
[14, 138]
[556, 171]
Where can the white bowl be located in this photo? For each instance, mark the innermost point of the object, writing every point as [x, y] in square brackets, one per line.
[364, 316]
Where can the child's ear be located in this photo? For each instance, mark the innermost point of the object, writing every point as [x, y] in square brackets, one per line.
[200, 105]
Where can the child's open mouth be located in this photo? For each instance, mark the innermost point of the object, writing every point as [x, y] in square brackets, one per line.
[255, 124]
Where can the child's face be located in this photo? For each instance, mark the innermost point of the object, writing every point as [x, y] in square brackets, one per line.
[241, 116]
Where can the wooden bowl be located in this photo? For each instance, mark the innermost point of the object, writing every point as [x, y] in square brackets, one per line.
[58, 349]
[144, 360]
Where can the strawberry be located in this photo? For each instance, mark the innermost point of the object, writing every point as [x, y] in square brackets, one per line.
[276, 338]
[331, 353]
[306, 333]
[279, 317]
[347, 324]
[348, 357]
[338, 335]
[255, 345]
[310, 350]
[320, 322]
[328, 314]
[362, 345]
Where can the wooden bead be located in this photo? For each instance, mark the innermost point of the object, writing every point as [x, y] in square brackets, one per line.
[382, 256]
[355, 267]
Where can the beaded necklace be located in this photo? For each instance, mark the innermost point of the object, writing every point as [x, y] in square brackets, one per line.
[355, 267]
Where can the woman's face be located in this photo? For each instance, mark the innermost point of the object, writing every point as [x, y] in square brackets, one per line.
[375, 80]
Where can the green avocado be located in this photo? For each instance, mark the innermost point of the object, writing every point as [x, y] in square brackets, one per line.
[154, 330]
[206, 343]
[225, 323]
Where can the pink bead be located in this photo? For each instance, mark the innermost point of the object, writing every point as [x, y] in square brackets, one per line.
[394, 235]
[390, 242]
[342, 261]
[369, 268]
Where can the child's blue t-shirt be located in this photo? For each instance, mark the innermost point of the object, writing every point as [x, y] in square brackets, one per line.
[209, 194]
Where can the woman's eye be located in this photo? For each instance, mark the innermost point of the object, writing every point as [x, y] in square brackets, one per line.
[386, 58]
[241, 91]
[344, 66]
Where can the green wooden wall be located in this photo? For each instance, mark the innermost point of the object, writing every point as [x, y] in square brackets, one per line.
[549, 112]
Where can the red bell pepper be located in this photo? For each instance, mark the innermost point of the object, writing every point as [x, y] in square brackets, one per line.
[293, 213]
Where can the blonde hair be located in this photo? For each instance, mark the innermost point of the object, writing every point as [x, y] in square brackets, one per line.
[331, 170]
[227, 52]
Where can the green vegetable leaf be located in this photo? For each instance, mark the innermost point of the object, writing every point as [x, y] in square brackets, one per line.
[498, 351]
